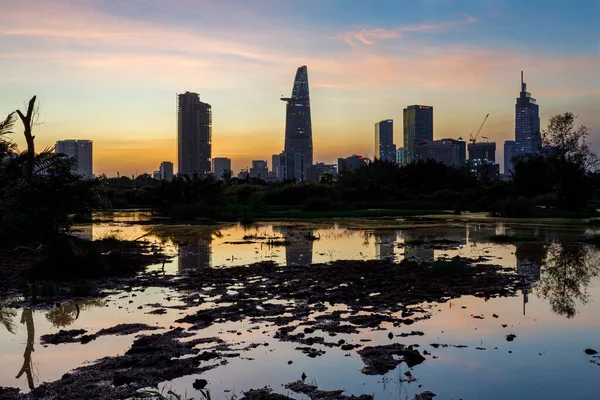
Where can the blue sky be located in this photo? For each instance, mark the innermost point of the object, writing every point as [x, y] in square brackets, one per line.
[110, 70]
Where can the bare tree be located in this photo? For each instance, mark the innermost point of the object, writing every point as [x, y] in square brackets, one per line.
[28, 121]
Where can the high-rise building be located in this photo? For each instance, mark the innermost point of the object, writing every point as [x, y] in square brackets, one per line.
[450, 152]
[298, 126]
[219, 166]
[81, 151]
[194, 131]
[275, 165]
[291, 166]
[259, 169]
[166, 171]
[418, 126]
[400, 156]
[509, 152]
[482, 151]
[385, 150]
[482, 160]
[528, 138]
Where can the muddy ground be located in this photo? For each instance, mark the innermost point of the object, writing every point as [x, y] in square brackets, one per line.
[373, 294]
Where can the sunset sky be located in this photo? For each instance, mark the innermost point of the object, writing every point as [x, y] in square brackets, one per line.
[109, 70]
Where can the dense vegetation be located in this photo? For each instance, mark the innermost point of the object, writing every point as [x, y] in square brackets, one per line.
[40, 196]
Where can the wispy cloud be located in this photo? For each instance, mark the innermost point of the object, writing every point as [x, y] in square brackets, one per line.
[374, 35]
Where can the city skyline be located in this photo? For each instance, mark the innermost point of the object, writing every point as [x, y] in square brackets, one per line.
[108, 73]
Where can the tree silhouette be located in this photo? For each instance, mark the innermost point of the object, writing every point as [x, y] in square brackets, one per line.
[27, 368]
[566, 275]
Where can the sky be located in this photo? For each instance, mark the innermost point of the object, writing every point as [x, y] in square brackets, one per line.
[110, 70]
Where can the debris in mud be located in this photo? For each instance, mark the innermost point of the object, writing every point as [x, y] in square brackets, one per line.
[310, 351]
[159, 311]
[315, 394]
[150, 360]
[458, 346]
[75, 335]
[63, 336]
[590, 352]
[199, 384]
[10, 394]
[379, 360]
[411, 333]
[263, 394]
[427, 395]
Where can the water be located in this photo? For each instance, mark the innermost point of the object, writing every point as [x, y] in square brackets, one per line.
[554, 321]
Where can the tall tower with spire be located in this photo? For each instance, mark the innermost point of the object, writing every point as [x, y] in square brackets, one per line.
[298, 126]
[528, 138]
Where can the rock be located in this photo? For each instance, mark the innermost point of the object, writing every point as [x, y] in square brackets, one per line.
[590, 352]
[309, 330]
[510, 337]
[390, 335]
[495, 315]
[199, 384]
[290, 362]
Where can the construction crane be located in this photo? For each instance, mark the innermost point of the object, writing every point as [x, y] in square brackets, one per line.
[486, 138]
[474, 139]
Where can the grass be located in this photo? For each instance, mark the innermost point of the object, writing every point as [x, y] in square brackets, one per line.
[593, 222]
[113, 234]
[513, 238]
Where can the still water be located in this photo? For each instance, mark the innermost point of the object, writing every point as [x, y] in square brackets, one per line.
[554, 321]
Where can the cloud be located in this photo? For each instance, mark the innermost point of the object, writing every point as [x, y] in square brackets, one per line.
[374, 35]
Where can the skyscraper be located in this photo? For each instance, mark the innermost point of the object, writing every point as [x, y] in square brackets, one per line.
[219, 166]
[527, 123]
[81, 151]
[384, 141]
[166, 171]
[291, 166]
[194, 130]
[418, 126]
[298, 126]
[509, 152]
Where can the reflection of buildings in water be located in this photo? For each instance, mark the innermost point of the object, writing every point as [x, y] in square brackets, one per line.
[384, 244]
[530, 257]
[193, 256]
[529, 261]
[299, 250]
[417, 252]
